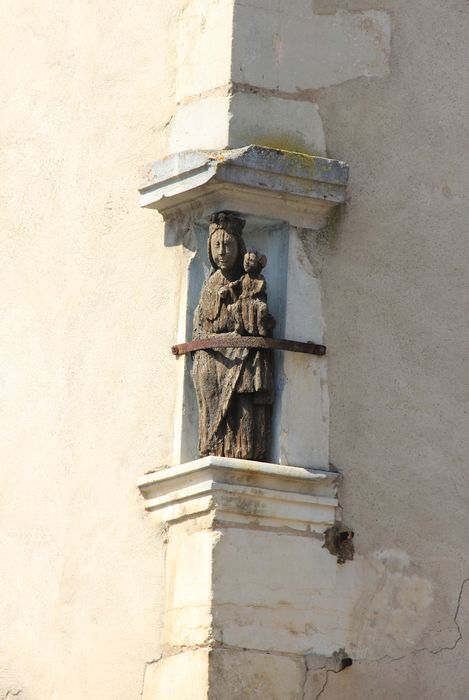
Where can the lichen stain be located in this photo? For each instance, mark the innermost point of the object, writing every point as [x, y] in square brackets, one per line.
[282, 143]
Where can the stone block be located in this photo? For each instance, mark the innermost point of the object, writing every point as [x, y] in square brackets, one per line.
[278, 50]
[245, 565]
[225, 674]
[270, 120]
[273, 591]
[200, 124]
[238, 491]
[265, 182]
[246, 674]
[183, 676]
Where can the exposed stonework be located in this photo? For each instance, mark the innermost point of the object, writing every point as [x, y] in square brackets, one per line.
[241, 609]
[275, 47]
[269, 183]
[265, 51]
[88, 95]
[246, 570]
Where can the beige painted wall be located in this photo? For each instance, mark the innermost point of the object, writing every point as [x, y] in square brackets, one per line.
[395, 281]
[86, 293]
[90, 93]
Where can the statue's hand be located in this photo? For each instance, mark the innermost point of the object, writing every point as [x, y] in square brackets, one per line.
[223, 292]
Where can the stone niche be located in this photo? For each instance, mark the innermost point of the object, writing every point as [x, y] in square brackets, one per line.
[283, 197]
[249, 587]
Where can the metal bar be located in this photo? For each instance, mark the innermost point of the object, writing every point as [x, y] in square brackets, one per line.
[246, 341]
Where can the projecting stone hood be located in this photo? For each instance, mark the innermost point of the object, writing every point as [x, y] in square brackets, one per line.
[266, 182]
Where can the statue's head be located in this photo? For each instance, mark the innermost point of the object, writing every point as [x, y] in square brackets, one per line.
[253, 262]
[226, 246]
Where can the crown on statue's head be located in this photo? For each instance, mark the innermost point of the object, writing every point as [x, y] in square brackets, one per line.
[227, 221]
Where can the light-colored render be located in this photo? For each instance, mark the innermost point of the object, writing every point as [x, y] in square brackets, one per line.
[91, 303]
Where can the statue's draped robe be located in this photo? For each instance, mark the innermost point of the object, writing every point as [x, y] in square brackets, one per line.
[234, 385]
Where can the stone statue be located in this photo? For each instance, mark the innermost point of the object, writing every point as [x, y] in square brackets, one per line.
[234, 385]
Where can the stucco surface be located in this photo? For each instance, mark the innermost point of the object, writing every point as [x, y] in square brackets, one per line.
[395, 285]
[85, 302]
[89, 304]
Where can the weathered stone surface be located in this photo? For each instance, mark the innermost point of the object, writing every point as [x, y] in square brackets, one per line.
[244, 571]
[199, 124]
[272, 58]
[225, 674]
[246, 566]
[303, 430]
[88, 383]
[234, 385]
[200, 30]
[263, 181]
[182, 676]
[242, 674]
[270, 120]
[291, 49]
[242, 491]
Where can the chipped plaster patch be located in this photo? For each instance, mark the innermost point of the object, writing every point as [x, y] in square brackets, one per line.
[316, 50]
[392, 610]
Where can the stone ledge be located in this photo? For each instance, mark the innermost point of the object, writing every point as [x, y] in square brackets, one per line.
[265, 182]
[243, 492]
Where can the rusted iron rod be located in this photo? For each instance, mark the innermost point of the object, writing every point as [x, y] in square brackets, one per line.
[246, 341]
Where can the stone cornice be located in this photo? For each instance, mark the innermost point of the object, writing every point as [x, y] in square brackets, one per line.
[243, 492]
[295, 187]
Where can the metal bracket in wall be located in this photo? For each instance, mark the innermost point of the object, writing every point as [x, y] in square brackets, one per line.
[248, 342]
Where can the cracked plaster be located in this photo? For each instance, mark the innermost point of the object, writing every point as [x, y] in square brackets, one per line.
[422, 673]
[394, 281]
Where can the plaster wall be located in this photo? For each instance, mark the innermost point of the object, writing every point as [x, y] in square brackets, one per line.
[86, 284]
[89, 93]
[395, 285]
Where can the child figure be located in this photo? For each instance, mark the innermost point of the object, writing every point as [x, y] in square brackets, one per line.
[250, 309]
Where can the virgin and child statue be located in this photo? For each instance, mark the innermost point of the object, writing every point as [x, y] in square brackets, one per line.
[234, 385]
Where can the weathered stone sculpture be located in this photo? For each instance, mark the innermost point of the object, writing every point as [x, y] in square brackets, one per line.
[234, 385]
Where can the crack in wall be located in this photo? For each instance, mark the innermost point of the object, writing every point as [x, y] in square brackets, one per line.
[305, 680]
[336, 663]
[215, 645]
[232, 88]
[147, 665]
[392, 659]
[326, 681]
